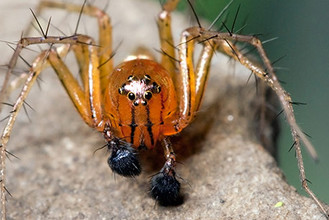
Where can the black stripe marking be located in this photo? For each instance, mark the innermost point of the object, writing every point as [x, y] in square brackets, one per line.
[149, 125]
[132, 125]
[162, 108]
[119, 118]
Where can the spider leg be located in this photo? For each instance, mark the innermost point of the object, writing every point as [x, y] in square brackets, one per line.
[202, 72]
[192, 80]
[88, 103]
[100, 58]
[272, 81]
[166, 39]
[185, 82]
[222, 41]
[190, 85]
[37, 67]
[104, 49]
[189, 82]
[164, 185]
[24, 42]
[105, 33]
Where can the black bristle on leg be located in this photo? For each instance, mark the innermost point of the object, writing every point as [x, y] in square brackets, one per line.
[123, 159]
[165, 189]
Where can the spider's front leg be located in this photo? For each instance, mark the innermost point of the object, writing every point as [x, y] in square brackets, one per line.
[104, 32]
[223, 42]
[193, 80]
[39, 64]
[91, 114]
[87, 102]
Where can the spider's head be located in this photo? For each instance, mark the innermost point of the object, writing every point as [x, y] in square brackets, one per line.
[139, 89]
[140, 93]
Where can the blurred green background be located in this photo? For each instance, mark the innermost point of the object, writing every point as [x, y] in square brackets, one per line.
[303, 39]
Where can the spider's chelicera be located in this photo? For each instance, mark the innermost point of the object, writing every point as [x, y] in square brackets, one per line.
[142, 102]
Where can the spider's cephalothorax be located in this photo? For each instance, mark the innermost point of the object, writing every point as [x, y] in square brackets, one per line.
[142, 102]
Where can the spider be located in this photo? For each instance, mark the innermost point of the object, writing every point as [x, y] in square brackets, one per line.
[141, 102]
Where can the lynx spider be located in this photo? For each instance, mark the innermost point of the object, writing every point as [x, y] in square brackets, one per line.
[138, 89]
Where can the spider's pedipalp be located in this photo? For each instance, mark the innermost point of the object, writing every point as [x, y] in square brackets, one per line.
[166, 189]
[123, 159]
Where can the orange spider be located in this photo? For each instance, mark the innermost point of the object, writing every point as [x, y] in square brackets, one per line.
[141, 102]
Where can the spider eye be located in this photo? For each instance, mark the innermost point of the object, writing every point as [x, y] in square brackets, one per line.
[148, 95]
[156, 88]
[131, 96]
[130, 78]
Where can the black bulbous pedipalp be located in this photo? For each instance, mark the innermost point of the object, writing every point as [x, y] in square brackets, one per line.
[123, 159]
[165, 189]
